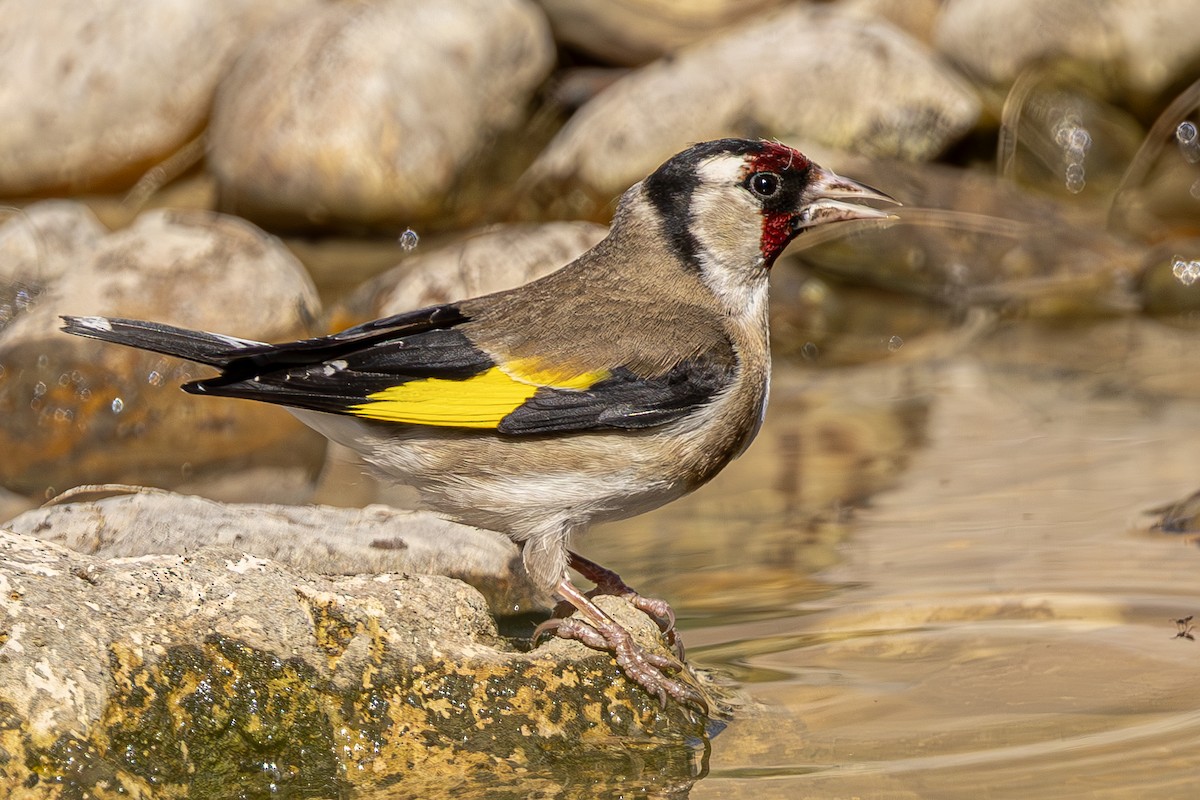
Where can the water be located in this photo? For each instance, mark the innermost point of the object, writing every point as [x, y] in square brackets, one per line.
[998, 621]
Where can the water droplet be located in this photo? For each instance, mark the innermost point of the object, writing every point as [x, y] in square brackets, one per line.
[43, 361]
[1075, 178]
[39, 389]
[1079, 141]
[118, 405]
[1188, 139]
[810, 351]
[895, 343]
[155, 378]
[409, 240]
[1186, 271]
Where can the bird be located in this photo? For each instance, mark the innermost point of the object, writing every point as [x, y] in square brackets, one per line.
[618, 383]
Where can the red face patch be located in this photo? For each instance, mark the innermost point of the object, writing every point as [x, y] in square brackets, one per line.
[790, 165]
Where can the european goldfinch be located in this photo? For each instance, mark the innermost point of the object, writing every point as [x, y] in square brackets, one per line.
[622, 381]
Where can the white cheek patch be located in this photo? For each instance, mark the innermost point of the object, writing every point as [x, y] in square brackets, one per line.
[728, 225]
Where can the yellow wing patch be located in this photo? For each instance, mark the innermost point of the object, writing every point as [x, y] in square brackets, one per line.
[480, 401]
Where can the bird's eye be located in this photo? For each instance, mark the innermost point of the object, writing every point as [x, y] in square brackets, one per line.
[764, 184]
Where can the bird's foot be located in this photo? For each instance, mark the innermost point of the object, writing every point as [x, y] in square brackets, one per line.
[609, 583]
[645, 668]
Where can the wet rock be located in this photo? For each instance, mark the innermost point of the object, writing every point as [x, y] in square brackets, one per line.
[93, 95]
[221, 674]
[486, 261]
[637, 31]
[368, 112]
[1141, 47]
[816, 77]
[129, 522]
[77, 411]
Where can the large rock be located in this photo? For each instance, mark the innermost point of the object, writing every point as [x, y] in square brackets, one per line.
[93, 94]
[129, 522]
[1141, 46]
[78, 411]
[218, 674]
[368, 112]
[485, 261]
[636, 31]
[803, 75]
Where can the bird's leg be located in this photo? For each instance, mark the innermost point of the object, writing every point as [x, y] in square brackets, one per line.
[609, 582]
[602, 632]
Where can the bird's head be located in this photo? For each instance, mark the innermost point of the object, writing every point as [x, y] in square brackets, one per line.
[729, 207]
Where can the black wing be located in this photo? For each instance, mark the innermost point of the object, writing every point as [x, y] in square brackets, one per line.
[623, 400]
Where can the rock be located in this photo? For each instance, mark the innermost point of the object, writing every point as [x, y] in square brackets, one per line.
[38, 245]
[223, 674]
[94, 95]
[368, 112]
[78, 411]
[815, 76]
[129, 522]
[43, 240]
[636, 31]
[490, 260]
[917, 18]
[1141, 47]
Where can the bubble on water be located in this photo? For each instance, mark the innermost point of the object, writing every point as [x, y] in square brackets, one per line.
[895, 343]
[43, 361]
[1188, 139]
[810, 351]
[1186, 271]
[1075, 179]
[1075, 141]
[409, 240]
[154, 378]
[39, 389]
[118, 405]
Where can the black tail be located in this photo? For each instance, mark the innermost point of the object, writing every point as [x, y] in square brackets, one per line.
[213, 349]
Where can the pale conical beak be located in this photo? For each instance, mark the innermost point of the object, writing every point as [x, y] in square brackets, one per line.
[832, 198]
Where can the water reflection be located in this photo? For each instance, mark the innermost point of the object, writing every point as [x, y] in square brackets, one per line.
[999, 617]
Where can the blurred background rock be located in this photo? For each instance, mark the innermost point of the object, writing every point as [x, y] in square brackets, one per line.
[274, 170]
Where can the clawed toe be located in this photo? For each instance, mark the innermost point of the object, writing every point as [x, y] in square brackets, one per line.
[610, 583]
[662, 676]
